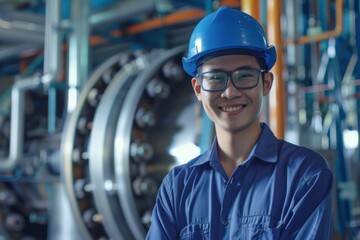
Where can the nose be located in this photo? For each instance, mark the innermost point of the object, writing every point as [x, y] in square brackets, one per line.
[230, 91]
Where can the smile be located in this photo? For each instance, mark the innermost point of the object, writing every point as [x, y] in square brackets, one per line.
[231, 109]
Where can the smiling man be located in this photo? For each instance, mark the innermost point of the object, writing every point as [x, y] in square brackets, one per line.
[249, 184]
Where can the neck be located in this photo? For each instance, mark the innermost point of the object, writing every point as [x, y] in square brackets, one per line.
[235, 147]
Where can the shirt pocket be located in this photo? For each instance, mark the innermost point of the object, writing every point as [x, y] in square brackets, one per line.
[196, 231]
[257, 233]
[258, 230]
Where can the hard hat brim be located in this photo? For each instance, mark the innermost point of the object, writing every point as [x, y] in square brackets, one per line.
[190, 65]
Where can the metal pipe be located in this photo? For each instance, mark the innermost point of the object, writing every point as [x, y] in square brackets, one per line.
[78, 60]
[174, 18]
[327, 87]
[10, 50]
[52, 45]
[277, 96]
[325, 35]
[61, 219]
[122, 11]
[251, 7]
[293, 58]
[21, 27]
[35, 20]
[10, 32]
[52, 56]
[17, 122]
[97, 19]
[79, 70]
[51, 65]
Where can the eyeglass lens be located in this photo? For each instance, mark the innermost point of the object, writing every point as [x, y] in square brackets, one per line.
[241, 78]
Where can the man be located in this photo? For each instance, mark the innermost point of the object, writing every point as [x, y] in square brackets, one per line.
[249, 184]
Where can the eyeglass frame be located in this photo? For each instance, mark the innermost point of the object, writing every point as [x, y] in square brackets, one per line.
[229, 75]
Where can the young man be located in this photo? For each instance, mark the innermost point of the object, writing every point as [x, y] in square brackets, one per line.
[249, 184]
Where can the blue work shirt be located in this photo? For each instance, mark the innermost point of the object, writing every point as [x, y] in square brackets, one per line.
[282, 191]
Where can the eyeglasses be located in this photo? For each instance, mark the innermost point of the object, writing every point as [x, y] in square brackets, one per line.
[217, 80]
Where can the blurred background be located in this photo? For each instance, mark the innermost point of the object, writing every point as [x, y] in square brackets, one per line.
[95, 108]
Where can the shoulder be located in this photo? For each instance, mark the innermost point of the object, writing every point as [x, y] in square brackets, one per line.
[303, 163]
[180, 174]
[288, 155]
[300, 155]
[183, 170]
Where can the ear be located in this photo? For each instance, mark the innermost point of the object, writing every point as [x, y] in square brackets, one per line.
[267, 83]
[196, 87]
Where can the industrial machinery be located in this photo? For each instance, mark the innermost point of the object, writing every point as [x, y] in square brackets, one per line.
[89, 166]
[134, 120]
[137, 111]
[89, 149]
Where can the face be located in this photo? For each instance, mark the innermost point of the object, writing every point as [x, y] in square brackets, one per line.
[232, 109]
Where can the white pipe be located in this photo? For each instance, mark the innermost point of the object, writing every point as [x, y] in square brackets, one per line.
[51, 70]
[17, 122]
[78, 57]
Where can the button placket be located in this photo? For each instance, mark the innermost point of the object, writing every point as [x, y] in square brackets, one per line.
[232, 189]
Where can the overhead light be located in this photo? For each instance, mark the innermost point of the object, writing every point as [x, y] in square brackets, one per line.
[351, 139]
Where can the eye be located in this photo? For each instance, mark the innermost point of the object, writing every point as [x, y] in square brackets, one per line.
[241, 74]
[214, 76]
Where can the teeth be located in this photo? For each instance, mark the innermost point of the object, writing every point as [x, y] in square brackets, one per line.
[231, 109]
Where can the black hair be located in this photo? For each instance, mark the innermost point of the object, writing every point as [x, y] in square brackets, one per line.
[260, 61]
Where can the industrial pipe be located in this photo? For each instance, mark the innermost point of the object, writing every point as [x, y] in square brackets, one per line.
[174, 18]
[78, 58]
[325, 35]
[10, 50]
[122, 11]
[277, 96]
[251, 7]
[21, 27]
[51, 65]
[17, 123]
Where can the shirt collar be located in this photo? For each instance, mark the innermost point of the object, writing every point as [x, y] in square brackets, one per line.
[266, 148]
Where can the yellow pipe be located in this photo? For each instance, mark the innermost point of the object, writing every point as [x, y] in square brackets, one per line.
[277, 95]
[325, 35]
[251, 7]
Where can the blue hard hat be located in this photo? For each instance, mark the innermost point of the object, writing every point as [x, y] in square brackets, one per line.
[227, 31]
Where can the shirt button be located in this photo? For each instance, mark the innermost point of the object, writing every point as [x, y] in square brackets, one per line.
[224, 222]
